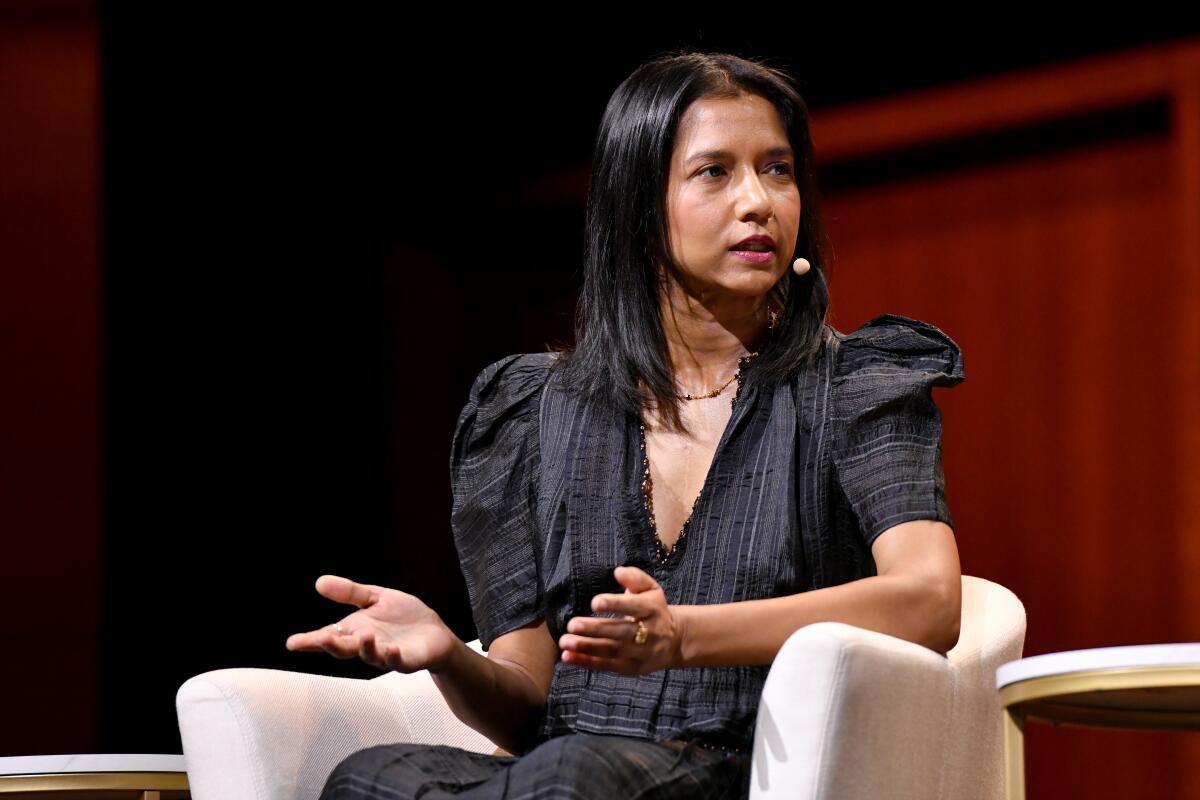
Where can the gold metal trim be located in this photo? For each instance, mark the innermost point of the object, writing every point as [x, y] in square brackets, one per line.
[1063, 698]
[1014, 755]
[138, 785]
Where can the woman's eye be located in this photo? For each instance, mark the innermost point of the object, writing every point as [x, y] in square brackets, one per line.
[786, 169]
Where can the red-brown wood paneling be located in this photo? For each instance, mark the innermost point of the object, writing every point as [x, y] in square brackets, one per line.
[1047, 221]
[50, 368]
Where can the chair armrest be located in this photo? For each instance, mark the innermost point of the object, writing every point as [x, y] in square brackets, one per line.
[852, 713]
[263, 734]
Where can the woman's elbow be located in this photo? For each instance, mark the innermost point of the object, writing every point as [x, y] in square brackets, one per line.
[948, 605]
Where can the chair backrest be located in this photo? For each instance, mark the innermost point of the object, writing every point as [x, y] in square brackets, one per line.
[992, 632]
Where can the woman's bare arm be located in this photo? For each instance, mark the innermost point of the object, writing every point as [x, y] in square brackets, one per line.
[916, 596]
[502, 695]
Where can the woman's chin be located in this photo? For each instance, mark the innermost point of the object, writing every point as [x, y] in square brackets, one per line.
[752, 282]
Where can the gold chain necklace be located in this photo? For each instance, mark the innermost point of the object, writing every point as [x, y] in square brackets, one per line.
[713, 393]
[661, 553]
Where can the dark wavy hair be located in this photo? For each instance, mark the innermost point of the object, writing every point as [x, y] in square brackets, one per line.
[619, 337]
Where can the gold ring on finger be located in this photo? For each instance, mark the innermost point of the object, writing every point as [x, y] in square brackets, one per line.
[640, 636]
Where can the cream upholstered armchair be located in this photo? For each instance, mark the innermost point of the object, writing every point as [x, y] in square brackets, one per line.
[845, 712]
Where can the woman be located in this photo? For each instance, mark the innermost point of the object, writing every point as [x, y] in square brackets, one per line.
[642, 521]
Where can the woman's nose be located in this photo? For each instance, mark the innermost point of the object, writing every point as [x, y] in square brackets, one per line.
[752, 197]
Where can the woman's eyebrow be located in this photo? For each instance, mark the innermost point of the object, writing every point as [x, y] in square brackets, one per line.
[723, 154]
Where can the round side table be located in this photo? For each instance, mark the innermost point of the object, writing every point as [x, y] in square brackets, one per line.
[136, 776]
[1144, 687]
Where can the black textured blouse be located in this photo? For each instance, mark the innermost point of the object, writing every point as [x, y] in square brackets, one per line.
[548, 500]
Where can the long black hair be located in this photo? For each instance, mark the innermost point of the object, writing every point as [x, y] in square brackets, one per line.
[619, 337]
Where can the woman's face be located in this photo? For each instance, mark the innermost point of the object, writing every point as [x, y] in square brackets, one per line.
[732, 176]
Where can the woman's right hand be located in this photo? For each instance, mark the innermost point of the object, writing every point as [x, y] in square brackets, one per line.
[391, 629]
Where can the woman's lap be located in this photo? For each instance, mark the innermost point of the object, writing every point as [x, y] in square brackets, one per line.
[579, 765]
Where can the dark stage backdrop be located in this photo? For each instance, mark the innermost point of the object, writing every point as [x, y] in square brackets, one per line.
[253, 262]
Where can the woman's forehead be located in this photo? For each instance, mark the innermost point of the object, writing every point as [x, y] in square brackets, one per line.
[717, 127]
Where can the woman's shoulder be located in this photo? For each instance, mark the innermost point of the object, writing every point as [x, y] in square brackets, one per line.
[514, 376]
[505, 390]
[499, 421]
[515, 372]
[892, 343]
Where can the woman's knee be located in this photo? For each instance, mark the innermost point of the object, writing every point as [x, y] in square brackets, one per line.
[354, 774]
[369, 759]
[584, 753]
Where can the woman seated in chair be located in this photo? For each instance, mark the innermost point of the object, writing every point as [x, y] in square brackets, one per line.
[645, 518]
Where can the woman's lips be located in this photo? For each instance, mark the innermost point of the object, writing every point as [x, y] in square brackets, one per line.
[755, 256]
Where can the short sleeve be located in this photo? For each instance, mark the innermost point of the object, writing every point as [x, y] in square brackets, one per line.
[494, 463]
[888, 451]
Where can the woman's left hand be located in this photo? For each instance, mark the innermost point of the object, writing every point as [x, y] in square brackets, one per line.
[607, 643]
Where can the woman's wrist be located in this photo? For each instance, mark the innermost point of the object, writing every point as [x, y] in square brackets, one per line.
[452, 662]
[680, 614]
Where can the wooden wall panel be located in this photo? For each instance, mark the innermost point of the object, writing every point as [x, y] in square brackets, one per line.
[50, 362]
[1056, 245]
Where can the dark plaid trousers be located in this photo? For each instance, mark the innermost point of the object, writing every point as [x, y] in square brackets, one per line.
[579, 766]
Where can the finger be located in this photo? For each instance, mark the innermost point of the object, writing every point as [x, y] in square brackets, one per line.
[378, 653]
[635, 579]
[603, 627]
[303, 641]
[633, 605]
[391, 657]
[339, 645]
[310, 641]
[367, 651]
[592, 645]
[344, 590]
[625, 666]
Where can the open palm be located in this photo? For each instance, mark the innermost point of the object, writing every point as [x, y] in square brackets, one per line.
[390, 630]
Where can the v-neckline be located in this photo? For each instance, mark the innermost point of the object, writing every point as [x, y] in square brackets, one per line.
[741, 402]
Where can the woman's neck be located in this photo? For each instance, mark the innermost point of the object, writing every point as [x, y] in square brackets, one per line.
[705, 340]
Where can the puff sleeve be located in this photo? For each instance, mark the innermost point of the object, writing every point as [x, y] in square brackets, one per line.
[888, 448]
[494, 464]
